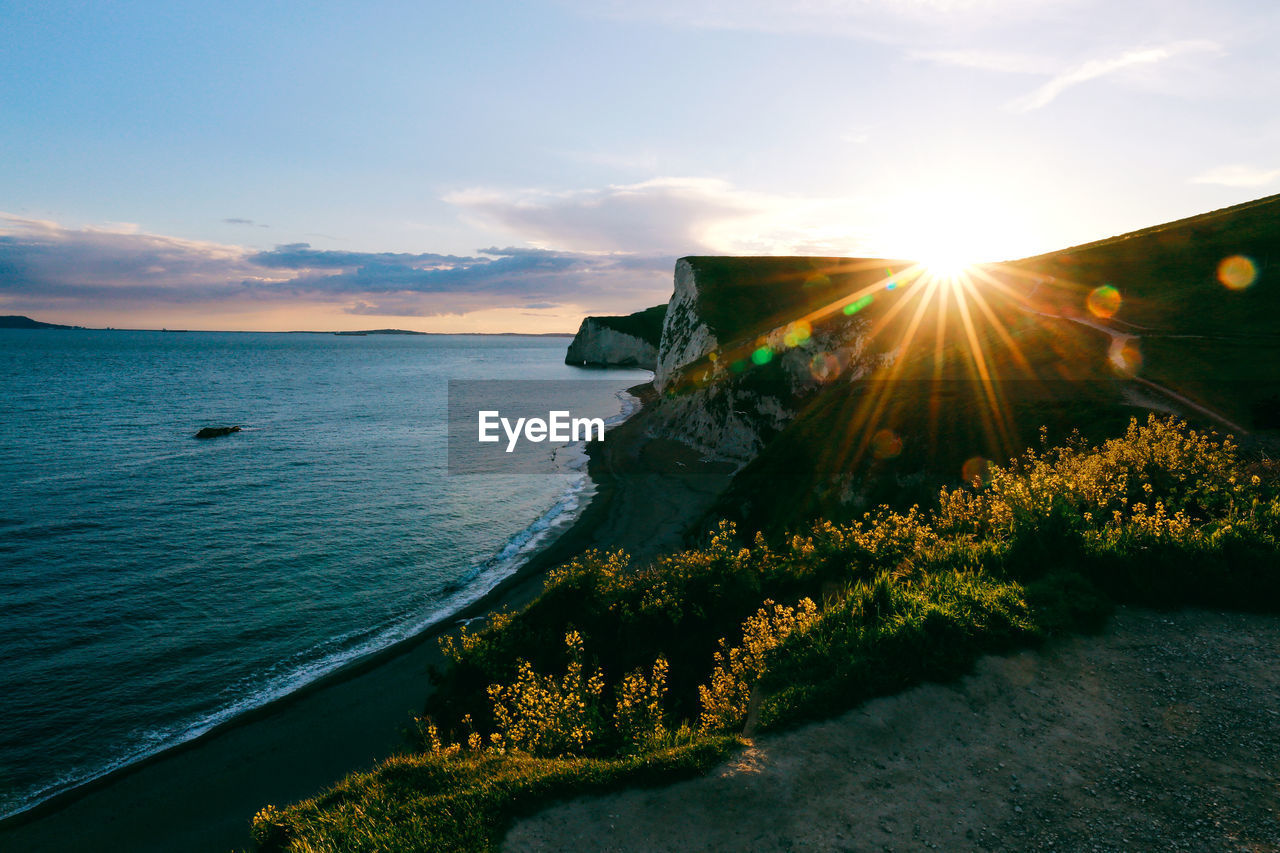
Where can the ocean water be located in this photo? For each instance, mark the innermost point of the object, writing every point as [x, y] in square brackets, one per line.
[153, 585]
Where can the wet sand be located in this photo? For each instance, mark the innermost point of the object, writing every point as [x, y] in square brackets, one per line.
[201, 795]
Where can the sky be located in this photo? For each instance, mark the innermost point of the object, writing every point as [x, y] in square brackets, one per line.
[515, 166]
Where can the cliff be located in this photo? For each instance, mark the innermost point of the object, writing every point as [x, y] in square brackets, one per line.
[836, 384]
[747, 341]
[630, 341]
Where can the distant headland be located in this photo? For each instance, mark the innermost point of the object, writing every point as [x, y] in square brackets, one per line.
[17, 321]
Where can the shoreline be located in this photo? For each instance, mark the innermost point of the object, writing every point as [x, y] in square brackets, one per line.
[200, 794]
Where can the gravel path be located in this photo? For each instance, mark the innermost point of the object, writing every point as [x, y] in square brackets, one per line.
[1162, 734]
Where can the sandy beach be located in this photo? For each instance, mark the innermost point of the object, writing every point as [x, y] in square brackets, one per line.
[200, 796]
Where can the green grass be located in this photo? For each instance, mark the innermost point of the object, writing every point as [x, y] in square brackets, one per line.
[1225, 350]
[641, 674]
[742, 297]
[434, 803]
[646, 324]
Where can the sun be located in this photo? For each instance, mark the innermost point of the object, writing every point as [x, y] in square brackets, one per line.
[951, 227]
[944, 240]
[946, 266]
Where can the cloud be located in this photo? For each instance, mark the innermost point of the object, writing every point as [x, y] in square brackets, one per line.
[597, 250]
[235, 220]
[1237, 175]
[1095, 68]
[45, 265]
[662, 215]
[988, 60]
[44, 258]
[300, 256]
[668, 217]
[894, 21]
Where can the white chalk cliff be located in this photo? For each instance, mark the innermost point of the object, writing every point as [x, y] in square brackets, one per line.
[598, 344]
[686, 338]
[730, 415]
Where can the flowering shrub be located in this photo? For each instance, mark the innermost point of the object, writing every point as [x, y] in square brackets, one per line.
[1046, 544]
[725, 698]
[545, 716]
[1159, 476]
[638, 712]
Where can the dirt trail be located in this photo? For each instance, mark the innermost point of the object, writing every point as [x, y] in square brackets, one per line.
[1117, 355]
[1162, 734]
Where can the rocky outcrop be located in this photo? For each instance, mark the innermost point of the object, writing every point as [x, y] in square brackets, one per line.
[215, 432]
[630, 341]
[686, 337]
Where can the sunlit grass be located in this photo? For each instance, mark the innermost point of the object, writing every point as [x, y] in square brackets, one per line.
[621, 674]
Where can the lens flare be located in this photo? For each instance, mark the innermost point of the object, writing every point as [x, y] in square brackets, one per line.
[975, 468]
[797, 333]
[762, 355]
[886, 444]
[946, 267]
[1237, 272]
[1103, 301]
[824, 367]
[1125, 356]
[858, 304]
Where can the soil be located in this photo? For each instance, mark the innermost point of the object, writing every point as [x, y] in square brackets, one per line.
[1163, 733]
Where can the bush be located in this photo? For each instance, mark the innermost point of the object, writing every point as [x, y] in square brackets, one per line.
[822, 620]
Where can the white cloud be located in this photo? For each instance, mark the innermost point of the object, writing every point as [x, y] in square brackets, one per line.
[661, 215]
[1095, 68]
[669, 215]
[895, 21]
[46, 266]
[1237, 175]
[988, 60]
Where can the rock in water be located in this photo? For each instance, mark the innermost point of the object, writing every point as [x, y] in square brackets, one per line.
[214, 432]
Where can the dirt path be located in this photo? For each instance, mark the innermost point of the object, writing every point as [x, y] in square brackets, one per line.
[1162, 734]
[1117, 356]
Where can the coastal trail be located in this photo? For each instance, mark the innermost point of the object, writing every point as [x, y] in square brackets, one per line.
[1117, 355]
[1161, 734]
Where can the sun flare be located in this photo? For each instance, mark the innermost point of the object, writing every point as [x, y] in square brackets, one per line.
[949, 226]
[946, 267]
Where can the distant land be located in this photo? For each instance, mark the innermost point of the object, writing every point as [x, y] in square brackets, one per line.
[410, 332]
[16, 321]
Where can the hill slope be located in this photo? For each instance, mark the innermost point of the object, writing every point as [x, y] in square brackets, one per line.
[16, 321]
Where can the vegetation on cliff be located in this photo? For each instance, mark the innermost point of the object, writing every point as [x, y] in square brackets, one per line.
[645, 325]
[620, 674]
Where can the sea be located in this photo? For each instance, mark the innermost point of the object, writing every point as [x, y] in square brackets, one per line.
[154, 585]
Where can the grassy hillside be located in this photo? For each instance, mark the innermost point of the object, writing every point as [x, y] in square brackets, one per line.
[621, 674]
[1203, 294]
[892, 436]
[17, 321]
[835, 585]
[740, 298]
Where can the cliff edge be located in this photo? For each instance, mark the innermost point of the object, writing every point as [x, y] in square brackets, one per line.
[630, 341]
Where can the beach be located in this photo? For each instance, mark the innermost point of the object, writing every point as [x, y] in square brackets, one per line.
[202, 794]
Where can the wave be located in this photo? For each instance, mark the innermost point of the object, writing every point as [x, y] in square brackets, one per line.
[339, 651]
